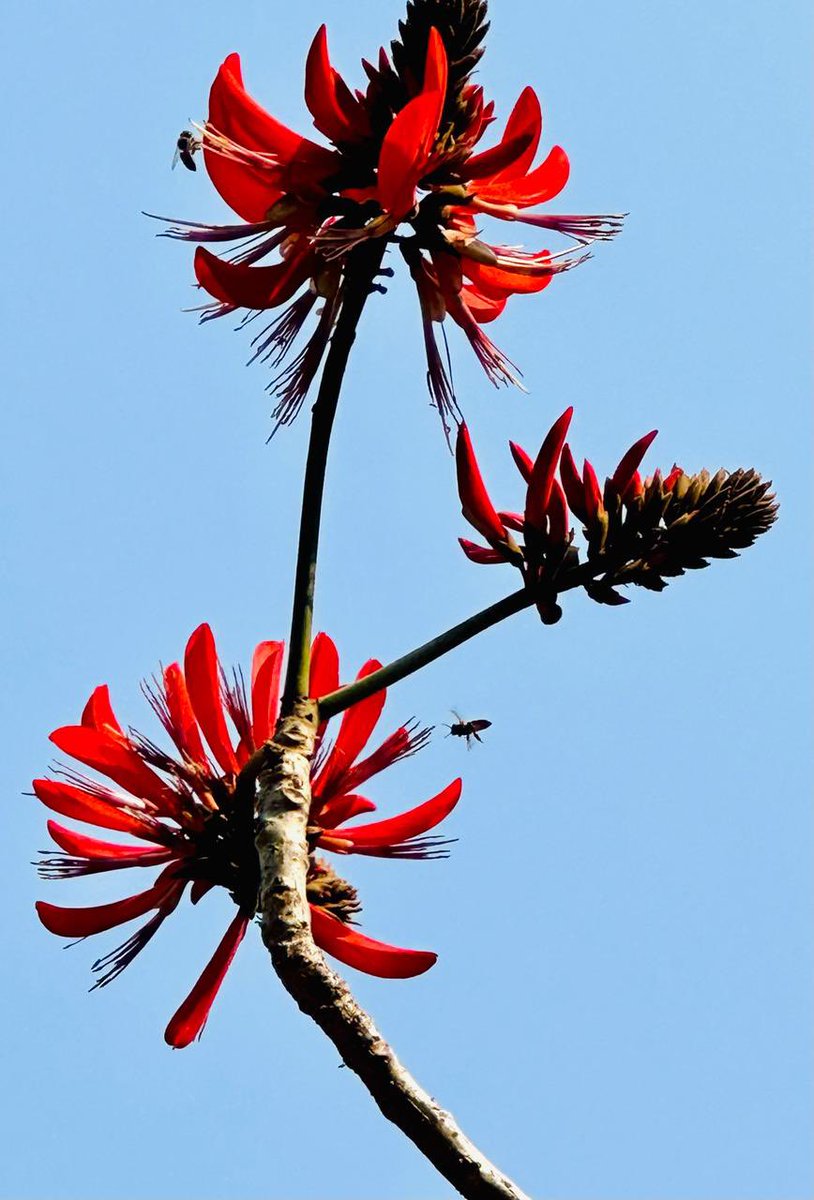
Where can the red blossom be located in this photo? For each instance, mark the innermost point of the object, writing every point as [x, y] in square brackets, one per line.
[405, 162]
[192, 813]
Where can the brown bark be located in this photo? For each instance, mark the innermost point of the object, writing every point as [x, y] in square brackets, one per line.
[283, 799]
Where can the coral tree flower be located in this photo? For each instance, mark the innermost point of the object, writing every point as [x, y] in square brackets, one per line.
[404, 164]
[191, 812]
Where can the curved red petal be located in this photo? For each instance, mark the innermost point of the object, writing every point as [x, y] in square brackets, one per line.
[407, 824]
[522, 460]
[188, 1022]
[624, 473]
[202, 673]
[343, 808]
[324, 677]
[113, 755]
[558, 524]
[336, 112]
[499, 282]
[405, 151]
[593, 492]
[84, 922]
[356, 950]
[526, 122]
[480, 554]
[245, 286]
[267, 664]
[73, 802]
[542, 475]
[572, 483]
[358, 723]
[475, 503]
[483, 308]
[543, 183]
[98, 711]
[82, 846]
[436, 69]
[183, 726]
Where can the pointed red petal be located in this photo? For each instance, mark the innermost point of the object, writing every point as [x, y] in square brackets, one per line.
[324, 667]
[475, 503]
[82, 846]
[483, 308]
[542, 475]
[365, 954]
[500, 282]
[480, 554]
[98, 711]
[405, 152]
[84, 922]
[343, 808]
[188, 1022]
[523, 129]
[558, 524]
[593, 492]
[267, 664]
[623, 475]
[572, 482]
[543, 183]
[358, 723]
[522, 460]
[672, 479]
[246, 286]
[73, 802]
[111, 754]
[203, 682]
[184, 732]
[436, 69]
[407, 824]
[335, 111]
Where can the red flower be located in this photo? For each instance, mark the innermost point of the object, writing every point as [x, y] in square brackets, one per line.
[544, 522]
[193, 811]
[404, 159]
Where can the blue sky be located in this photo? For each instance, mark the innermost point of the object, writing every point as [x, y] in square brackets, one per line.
[621, 1003]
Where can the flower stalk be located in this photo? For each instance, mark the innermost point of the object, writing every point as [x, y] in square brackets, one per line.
[362, 267]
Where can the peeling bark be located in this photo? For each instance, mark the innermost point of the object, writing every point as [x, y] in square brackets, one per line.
[283, 799]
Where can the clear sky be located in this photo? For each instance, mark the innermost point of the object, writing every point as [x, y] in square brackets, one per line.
[621, 1006]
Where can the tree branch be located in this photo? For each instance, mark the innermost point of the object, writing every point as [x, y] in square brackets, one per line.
[283, 801]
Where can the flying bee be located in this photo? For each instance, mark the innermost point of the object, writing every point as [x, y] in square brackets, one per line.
[467, 729]
[185, 147]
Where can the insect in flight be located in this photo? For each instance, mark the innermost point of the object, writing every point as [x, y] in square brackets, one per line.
[467, 729]
[185, 147]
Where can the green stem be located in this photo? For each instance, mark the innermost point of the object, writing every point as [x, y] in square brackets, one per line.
[360, 273]
[400, 668]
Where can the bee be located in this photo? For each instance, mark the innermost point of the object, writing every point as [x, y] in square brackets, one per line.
[467, 729]
[186, 145]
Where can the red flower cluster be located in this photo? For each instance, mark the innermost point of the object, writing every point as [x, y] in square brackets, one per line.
[545, 521]
[194, 810]
[404, 159]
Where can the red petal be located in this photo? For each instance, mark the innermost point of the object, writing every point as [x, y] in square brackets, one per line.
[624, 473]
[81, 846]
[522, 460]
[203, 682]
[343, 808]
[188, 1022]
[245, 286]
[523, 129]
[336, 112]
[98, 711]
[324, 667]
[542, 475]
[572, 482]
[672, 479]
[374, 958]
[267, 664]
[558, 524]
[543, 183]
[499, 282]
[358, 723]
[480, 554]
[436, 69]
[394, 830]
[84, 922]
[593, 492]
[112, 755]
[475, 503]
[79, 805]
[483, 308]
[184, 732]
[405, 152]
